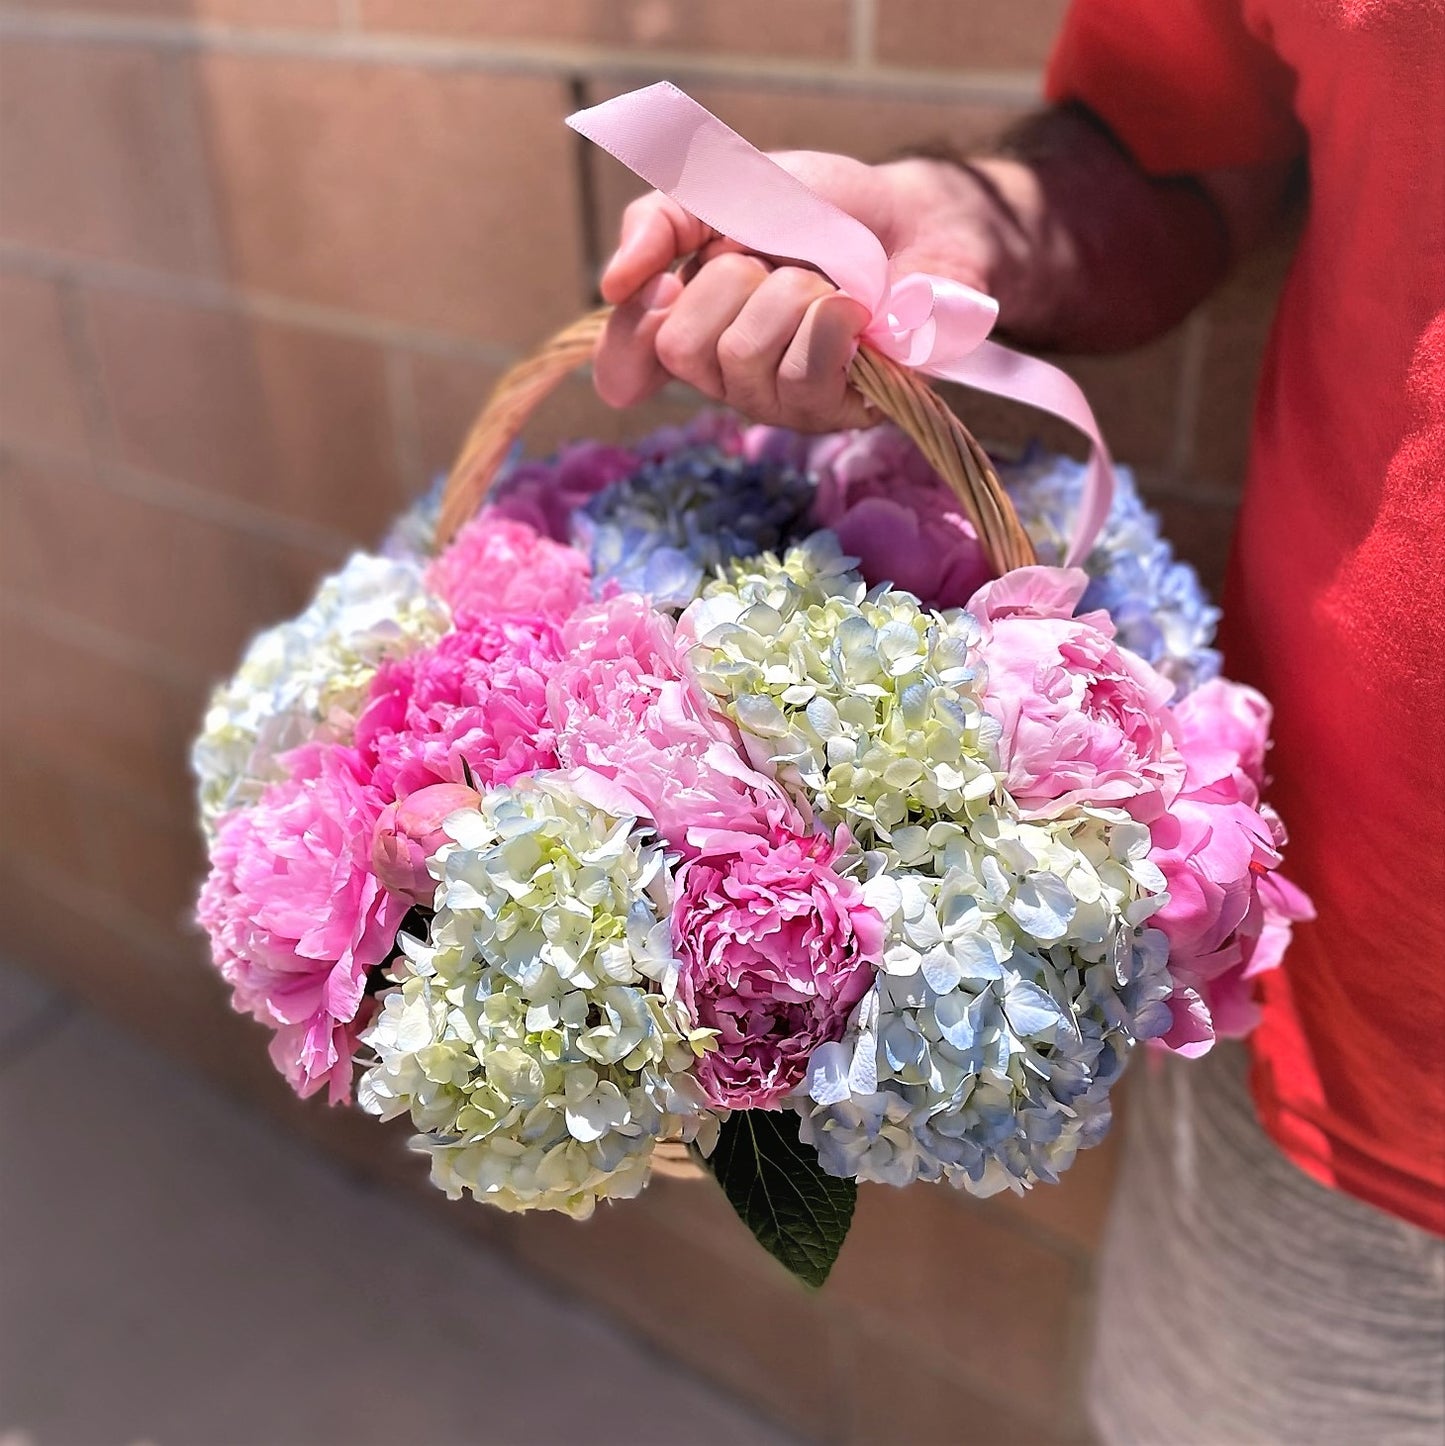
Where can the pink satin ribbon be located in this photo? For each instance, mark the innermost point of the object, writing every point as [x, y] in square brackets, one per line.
[930, 322]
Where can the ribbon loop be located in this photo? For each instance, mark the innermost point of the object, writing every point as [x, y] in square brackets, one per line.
[933, 323]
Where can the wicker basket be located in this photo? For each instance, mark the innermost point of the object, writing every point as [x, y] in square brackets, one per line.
[897, 392]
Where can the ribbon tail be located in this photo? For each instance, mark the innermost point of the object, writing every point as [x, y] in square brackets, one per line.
[683, 150]
[1005, 373]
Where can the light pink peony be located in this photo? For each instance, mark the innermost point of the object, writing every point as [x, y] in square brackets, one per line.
[1084, 720]
[893, 513]
[624, 708]
[296, 916]
[1229, 912]
[498, 565]
[1223, 728]
[408, 834]
[775, 950]
[473, 703]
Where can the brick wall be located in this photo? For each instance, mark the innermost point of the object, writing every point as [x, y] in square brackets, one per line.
[259, 260]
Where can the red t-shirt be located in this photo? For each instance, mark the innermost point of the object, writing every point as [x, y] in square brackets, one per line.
[1335, 606]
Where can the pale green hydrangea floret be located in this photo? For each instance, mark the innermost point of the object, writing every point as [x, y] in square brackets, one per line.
[308, 678]
[865, 703]
[534, 1037]
[1018, 971]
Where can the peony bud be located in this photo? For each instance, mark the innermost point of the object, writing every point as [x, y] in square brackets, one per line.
[410, 832]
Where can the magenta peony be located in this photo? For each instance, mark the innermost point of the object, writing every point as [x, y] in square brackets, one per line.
[891, 511]
[296, 916]
[1084, 721]
[470, 709]
[410, 832]
[545, 494]
[1229, 913]
[623, 707]
[498, 565]
[775, 949]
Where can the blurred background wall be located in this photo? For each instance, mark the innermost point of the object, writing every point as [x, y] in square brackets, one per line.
[259, 261]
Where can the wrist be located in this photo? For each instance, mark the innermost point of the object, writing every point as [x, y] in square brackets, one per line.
[976, 221]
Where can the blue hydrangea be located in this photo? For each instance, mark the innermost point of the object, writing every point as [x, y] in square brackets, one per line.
[1018, 972]
[1157, 602]
[680, 518]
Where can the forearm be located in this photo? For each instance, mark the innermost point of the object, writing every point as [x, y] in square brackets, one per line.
[1083, 250]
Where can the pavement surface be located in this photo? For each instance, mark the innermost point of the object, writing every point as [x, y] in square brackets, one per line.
[174, 1271]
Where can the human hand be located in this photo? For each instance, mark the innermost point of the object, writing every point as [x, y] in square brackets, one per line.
[770, 338]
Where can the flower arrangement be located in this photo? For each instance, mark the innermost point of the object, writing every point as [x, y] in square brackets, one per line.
[712, 790]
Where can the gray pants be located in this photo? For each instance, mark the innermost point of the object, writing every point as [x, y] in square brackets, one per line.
[1241, 1302]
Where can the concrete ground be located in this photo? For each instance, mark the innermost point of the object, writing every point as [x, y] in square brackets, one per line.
[174, 1272]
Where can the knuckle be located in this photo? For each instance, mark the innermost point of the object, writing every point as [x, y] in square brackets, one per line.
[737, 351]
[738, 268]
[798, 285]
[799, 372]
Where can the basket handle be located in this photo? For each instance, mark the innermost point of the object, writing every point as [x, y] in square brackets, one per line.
[896, 391]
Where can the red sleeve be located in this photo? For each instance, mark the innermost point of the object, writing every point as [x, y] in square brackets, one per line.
[1186, 85]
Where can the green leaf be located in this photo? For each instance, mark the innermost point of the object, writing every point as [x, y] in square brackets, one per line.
[773, 1180]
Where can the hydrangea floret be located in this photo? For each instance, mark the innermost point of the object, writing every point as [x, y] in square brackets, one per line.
[308, 679]
[535, 1037]
[663, 530]
[413, 536]
[864, 703]
[1158, 605]
[1018, 970]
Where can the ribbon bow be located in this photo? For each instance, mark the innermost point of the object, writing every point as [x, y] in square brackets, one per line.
[933, 323]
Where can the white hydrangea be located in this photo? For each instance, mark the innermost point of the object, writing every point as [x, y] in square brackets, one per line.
[413, 536]
[534, 1037]
[307, 678]
[1017, 973]
[864, 703]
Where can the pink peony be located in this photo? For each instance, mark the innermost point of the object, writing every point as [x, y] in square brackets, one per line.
[624, 708]
[408, 833]
[296, 916]
[1222, 729]
[893, 513]
[1229, 912]
[775, 949]
[1084, 720]
[471, 708]
[497, 565]
[544, 495]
